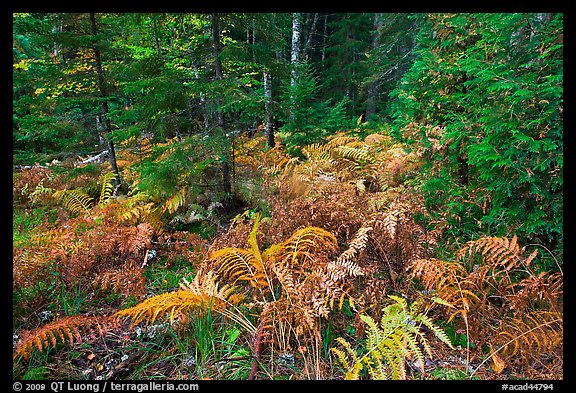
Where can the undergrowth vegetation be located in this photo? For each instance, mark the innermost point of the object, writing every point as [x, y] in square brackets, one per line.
[330, 267]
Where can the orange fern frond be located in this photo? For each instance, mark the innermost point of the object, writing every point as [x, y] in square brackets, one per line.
[68, 330]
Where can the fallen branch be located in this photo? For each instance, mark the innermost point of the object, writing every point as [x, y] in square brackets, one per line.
[97, 157]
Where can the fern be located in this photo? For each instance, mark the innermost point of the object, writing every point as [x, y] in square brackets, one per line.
[535, 332]
[360, 155]
[75, 200]
[107, 188]
[68, 330]
[388, 344]
[175, 201]
[345, 266]
[201, 294]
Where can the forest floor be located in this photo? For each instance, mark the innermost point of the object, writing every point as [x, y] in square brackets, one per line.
[73, 258]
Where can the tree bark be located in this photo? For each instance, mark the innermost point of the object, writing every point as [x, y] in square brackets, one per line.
[104, 104]
[294, 60]
[373, 86]
[310, 36]
[267, 109]
[226, 178]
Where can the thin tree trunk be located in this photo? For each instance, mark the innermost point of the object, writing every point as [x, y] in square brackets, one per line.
[268, 109]
[226, 180]
[156, 39]
[104, 104]
[294, 60]
[202, 96]
[373, 86]
[310, 37]
[324, 39]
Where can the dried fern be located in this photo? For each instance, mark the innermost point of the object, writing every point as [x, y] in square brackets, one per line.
[345, 266]
[68, 330]
[535, 332]
[203, 293]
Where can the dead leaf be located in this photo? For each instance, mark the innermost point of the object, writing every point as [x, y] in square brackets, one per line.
[91, 356]
[498, 364]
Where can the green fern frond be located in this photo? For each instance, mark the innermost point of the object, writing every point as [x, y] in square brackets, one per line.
[388, 344]
[360, 155]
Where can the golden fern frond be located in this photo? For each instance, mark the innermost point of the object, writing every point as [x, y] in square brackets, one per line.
[175, 201]
[237, 264]
[341, 140]
[68, 330]
[307, 241]
[533, 333]
[352, 372]
[107, 188]
[361, 155]
[171, 303]
[448, 281]
[76, 201]
[317, 151]
[202, 294]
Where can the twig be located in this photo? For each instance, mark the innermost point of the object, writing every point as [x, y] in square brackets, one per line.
[124, 365]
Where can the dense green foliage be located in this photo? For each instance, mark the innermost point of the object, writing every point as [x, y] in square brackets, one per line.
[484, 97]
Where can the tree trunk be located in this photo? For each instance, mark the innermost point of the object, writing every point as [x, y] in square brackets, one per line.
[104, 104]
[373, 86]
[226, 180]
[156, 39]
[268, 109]
[324, 40]
[310, 37]
[294, 60]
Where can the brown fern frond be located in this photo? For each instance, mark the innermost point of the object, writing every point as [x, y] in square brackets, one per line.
[540, 288]
[128, 280]
[496, 251]
[447, 281]
[141, 238]
[345, 266]
[69, 330]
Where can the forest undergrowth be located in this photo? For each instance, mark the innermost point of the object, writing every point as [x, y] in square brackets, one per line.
[329, 267]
